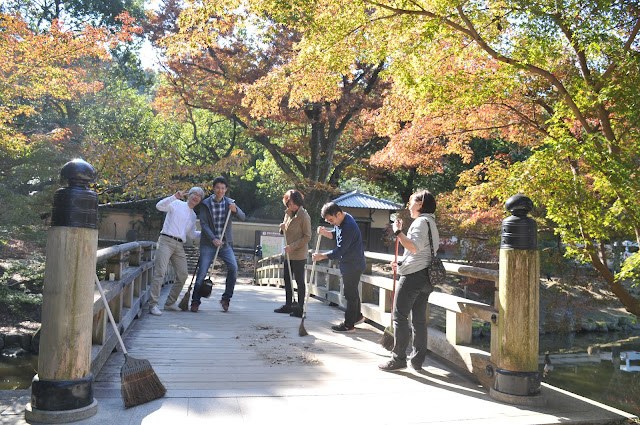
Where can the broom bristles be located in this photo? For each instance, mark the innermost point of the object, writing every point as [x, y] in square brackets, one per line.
[301, 330]
[140, 384]
[141, 388]
[184, 304]
[387, 340]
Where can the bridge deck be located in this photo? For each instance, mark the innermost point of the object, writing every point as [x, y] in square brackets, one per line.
[249, 366]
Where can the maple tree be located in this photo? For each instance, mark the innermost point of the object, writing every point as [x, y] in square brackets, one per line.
[559, 77]
[40, 74]
[140, 152]
[75, 13]
[40, 71]
[311, 127]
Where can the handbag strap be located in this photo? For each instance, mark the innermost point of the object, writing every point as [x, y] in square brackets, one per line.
[433, 255]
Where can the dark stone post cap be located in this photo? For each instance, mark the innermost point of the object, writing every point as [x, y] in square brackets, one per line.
[519, 231]
[519, 205]
[76, 205]
[78, 173]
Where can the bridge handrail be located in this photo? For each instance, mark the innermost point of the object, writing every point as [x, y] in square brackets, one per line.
[128, 270]
[105, 253]
[451, 267]
[376, 290]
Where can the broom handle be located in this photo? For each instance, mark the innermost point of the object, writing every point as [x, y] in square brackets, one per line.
[395, 273]
[313, 273]
[195, 272]
[224, 229]
[111, 319]
[284, 233]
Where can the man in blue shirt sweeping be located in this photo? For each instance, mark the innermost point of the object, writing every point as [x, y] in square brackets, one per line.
[350, 251]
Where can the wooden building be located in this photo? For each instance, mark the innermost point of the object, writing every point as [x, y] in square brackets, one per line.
[373, 216]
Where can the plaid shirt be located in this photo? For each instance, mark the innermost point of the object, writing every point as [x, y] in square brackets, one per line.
[218, 213]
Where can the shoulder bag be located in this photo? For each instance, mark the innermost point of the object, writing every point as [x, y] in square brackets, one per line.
[206, 287]
[436, 271]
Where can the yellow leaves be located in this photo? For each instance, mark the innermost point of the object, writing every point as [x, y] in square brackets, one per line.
[49, 65]
[128, 167]
[292, 83]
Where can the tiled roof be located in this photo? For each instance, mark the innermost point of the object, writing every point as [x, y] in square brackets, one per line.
[356, 199]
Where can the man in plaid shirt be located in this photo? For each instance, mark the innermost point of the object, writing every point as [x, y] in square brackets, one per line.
[213, 214]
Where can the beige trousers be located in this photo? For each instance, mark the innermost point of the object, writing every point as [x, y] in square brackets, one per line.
[168, 250]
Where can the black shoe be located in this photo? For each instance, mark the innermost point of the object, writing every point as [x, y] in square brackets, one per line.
[342, 328]
[296, 313]
[360, 320]
[415, 365]
[392, 365]
[284, 309]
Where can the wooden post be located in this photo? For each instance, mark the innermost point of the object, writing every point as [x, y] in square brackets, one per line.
[62, 391]
[517, 379]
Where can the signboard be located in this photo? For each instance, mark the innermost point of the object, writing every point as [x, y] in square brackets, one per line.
[272, 243]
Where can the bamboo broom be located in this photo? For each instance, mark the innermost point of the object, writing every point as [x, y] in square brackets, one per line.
[387, 339]
[140, 383]
[301, 330]
[284, 233]
[184, 304]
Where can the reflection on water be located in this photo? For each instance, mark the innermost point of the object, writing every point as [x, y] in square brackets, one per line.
[16, 374]
[603, 381]
[630, 361]
[589, 364]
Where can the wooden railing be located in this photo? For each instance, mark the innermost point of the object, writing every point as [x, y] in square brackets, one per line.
[376, 292]
[128, 271]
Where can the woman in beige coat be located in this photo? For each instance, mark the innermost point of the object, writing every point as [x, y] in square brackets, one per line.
[296, 228]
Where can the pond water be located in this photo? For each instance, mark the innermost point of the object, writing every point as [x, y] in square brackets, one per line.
[589, 364]
[16, 374]
[603, 381]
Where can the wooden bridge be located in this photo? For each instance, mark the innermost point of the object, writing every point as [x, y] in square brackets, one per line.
[250, 366]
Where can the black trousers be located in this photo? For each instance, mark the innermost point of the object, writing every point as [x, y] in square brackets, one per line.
[350, 282]
[297, 266]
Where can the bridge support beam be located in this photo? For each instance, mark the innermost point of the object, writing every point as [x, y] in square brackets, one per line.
[62, 391]
[517, 380]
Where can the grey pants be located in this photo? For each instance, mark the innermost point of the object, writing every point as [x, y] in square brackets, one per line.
[412, 294]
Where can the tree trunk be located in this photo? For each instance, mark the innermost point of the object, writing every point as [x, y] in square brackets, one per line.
[629, 302]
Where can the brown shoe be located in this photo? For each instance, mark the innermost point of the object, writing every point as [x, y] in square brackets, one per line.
[194, 307]
[225, 304]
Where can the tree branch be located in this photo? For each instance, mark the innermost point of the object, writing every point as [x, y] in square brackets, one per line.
[531, 68]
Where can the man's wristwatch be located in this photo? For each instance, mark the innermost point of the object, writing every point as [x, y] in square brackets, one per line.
[397, 232]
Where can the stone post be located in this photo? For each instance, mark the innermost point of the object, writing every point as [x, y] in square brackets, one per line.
[62, 391]
[517, 379]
